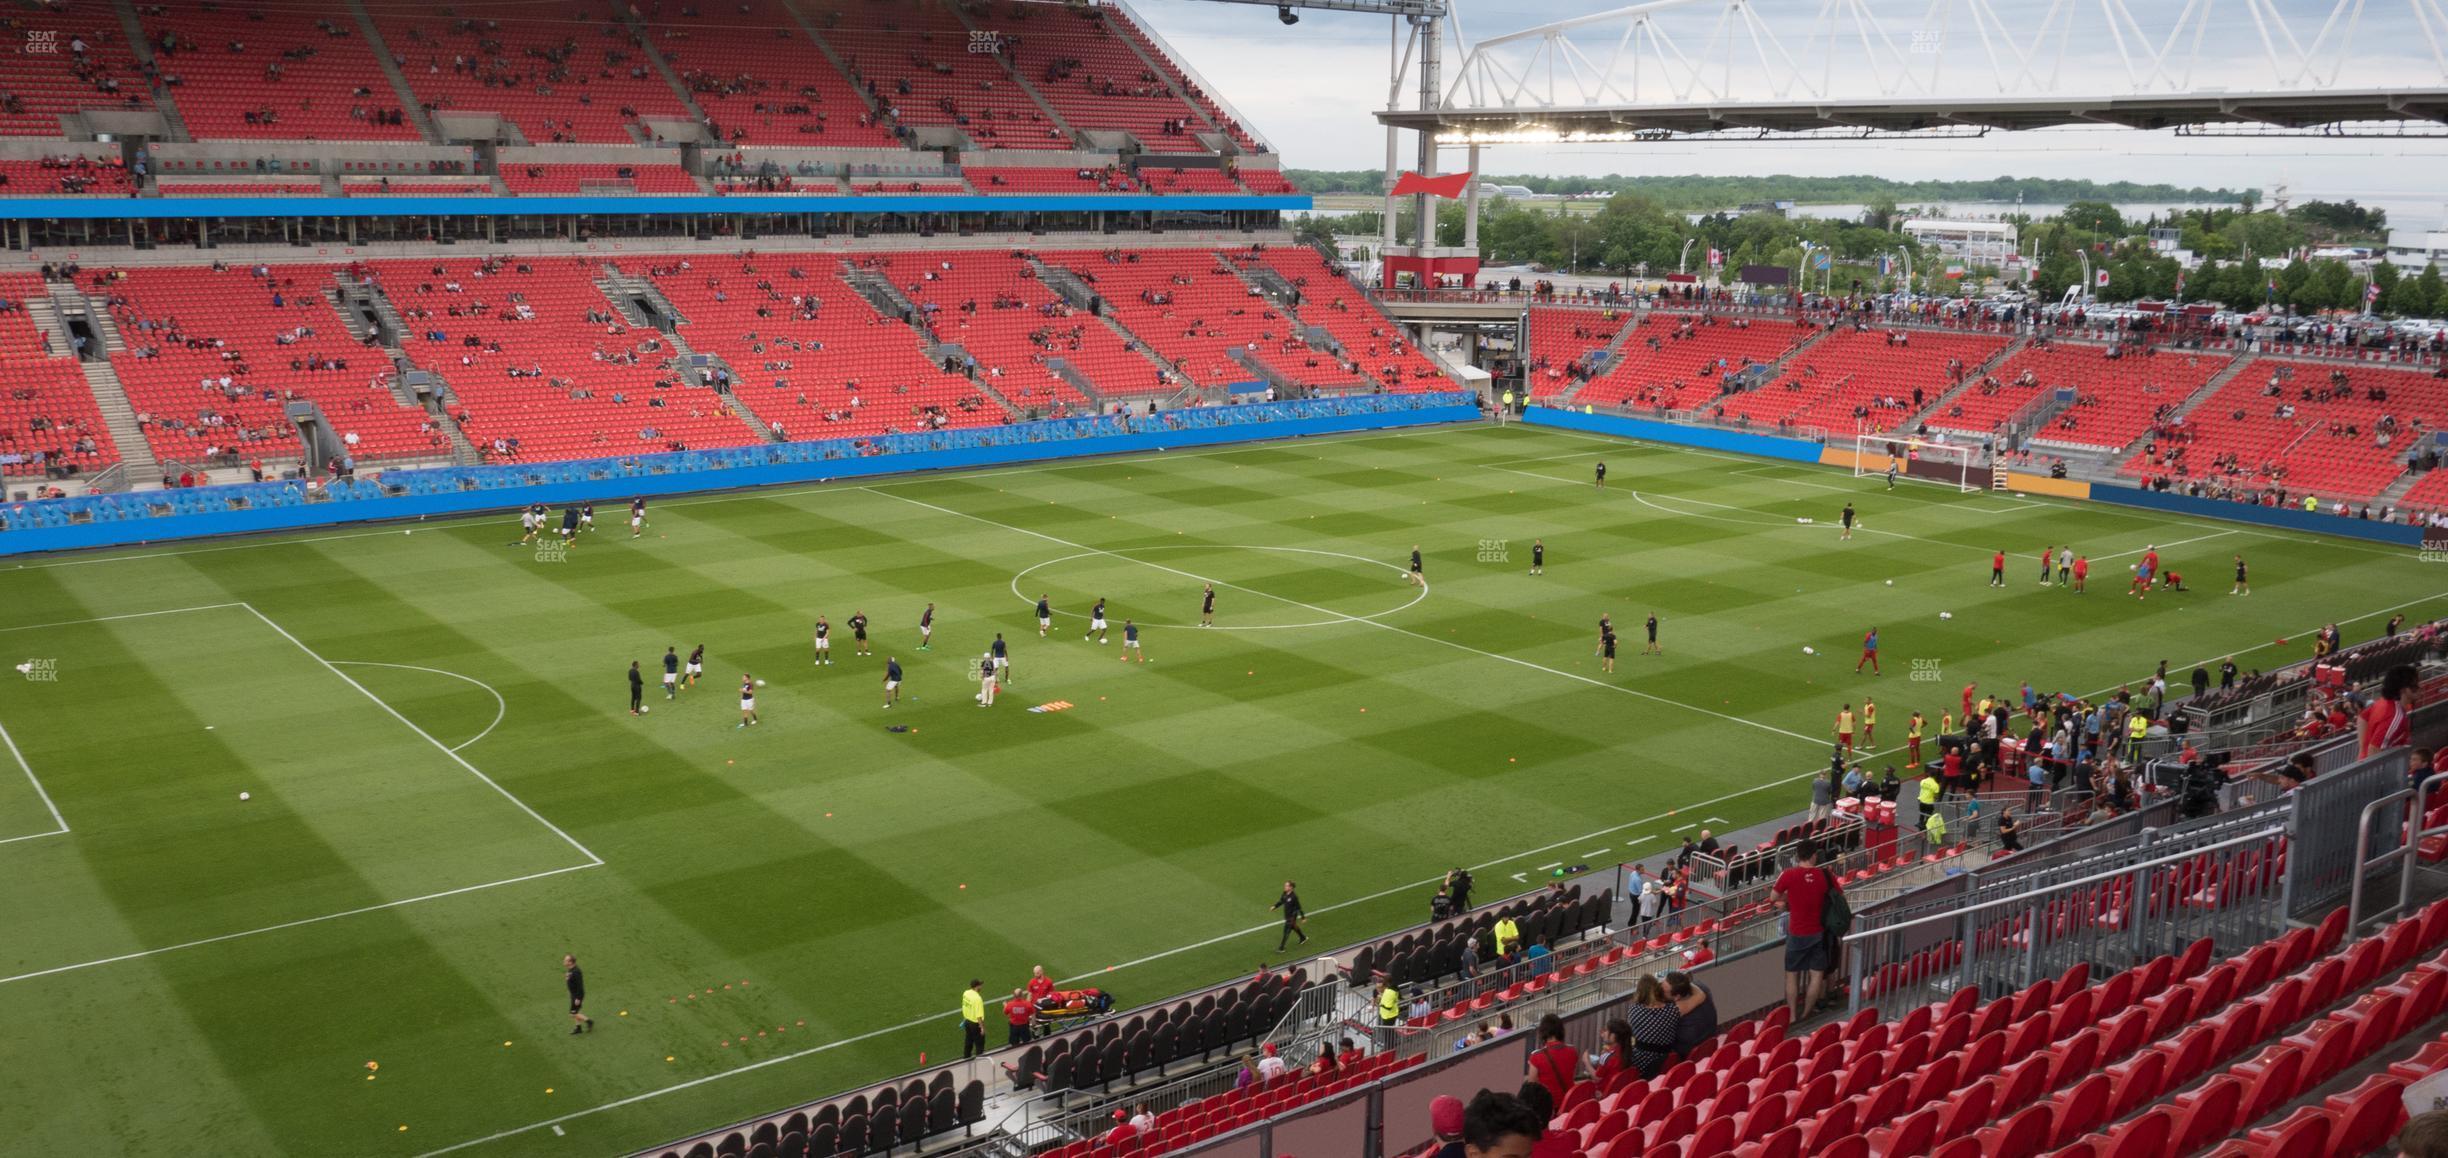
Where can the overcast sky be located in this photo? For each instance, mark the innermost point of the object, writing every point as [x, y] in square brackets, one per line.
[1311, 89]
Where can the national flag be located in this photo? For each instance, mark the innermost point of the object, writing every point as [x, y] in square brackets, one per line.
[1716, 257]
[2180, 282]
[2371, 293]
[2100, 278]
[1886, 265]
[1954, 269]
[1449, 187]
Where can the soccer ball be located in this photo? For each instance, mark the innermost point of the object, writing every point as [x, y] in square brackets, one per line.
[1891, 583]
[2134, 567]
[1809, 651]
[1946, 615]
[645, 708]
[760, 683]
[245, 796]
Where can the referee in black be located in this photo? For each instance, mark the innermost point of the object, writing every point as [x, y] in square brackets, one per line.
[1290, 904]
[576, 977]
[637, 688]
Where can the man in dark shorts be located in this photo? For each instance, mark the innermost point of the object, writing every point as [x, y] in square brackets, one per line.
[926, 628]
[1606, 649]
[575, 978]
[1653, 648]
[1207, 607]
[1606, 627]
[858, 630]
[1416, 578]
[1997, 569]
[2243, 585]
[1538, 556]
[1802, 892]
[1847, 519]
[637, 688]
[1601, 474]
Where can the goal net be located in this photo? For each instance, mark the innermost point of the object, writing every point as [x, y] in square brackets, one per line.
[1920, 460]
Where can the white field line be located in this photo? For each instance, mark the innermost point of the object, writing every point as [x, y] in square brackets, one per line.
[56, 818]
[142, 953]
[501, 707]
[1812, 740]
[445, 749]
[114, 618]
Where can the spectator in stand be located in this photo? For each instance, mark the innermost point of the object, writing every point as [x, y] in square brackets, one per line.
[1801, 891]
[2424, 1135]
[1554, 1064]
[1445, 1121]
[1655, 1022]
[1498, 1126]
[2387, 721]
[1247, 1077]
[1270, 1066]
[1698, 1008]
[1618, 1057]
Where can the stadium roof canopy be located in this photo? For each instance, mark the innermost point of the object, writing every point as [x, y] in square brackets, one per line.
[1569, 123]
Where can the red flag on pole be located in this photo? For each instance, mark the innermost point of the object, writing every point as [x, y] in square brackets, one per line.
[1449, 187]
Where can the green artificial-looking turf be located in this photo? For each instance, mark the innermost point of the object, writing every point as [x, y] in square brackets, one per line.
[802, 882]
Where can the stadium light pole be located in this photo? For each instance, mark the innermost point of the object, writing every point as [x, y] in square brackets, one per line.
[1683, 260]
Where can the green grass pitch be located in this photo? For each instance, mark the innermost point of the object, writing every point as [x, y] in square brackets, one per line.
[447, 793]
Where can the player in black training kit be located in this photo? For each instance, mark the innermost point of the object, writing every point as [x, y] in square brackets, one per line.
[1601, 473]
[586, 518]
[1096, 621]
[1847, 518]
[1207, 607]
[1538, 556]
[824, 641]
[671, 673]
[637, 688]
[575, 978]
[696, 665]
[1001, 654]
[1045, 617]
[1417, 579]
[858, 630]
[1653, 648]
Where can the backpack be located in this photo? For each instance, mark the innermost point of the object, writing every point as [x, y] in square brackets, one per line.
[1835, 913]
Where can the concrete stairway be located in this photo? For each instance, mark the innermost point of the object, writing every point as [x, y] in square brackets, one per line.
[1043, 105]
[119, 414]
[1971, 379]
[399, 81]
[1164, 71]
[142, 50]
[637, 24]
[1079, 294]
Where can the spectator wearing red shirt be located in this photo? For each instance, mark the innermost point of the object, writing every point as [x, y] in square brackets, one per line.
[2386, 720]
[1019, 1011]
[1802, 892]
[1554, 1064]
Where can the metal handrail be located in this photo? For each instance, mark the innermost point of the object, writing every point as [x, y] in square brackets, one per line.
[2407, 852]
[1958, 914]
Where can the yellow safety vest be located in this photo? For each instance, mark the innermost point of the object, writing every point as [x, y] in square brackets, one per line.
[1508, 935]
[2138, 728]
[973, 1006]
[1929, 791]
[1389, 1004]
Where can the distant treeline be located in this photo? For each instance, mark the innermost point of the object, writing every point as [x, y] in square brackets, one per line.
[1696, 192]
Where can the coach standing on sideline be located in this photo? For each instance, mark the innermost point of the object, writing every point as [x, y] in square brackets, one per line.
[1293, 916]
[973, 1020]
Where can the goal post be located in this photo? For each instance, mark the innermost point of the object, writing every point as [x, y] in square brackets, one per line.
[1920, 460]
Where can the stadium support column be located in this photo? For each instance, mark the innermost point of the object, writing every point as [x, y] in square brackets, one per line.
[1431, 31]
[1386, 237]
[1470, 203]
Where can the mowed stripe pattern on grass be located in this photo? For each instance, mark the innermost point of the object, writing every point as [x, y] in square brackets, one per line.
[801, 882]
